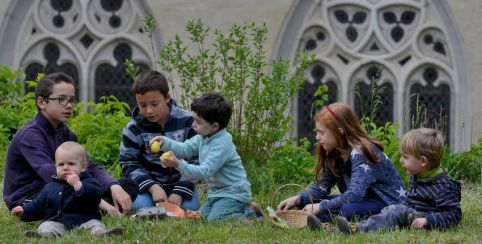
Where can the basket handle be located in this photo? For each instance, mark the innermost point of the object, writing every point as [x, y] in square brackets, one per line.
[291, 184]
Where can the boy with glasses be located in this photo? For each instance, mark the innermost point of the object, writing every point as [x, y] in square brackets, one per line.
[30, 157]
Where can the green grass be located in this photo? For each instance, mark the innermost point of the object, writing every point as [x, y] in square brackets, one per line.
[248, 231]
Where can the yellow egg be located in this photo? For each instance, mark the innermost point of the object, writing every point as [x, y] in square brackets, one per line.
[167, 155]
[155, 147]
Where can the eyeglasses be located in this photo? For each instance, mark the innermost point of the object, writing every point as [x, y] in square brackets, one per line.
[64, 100]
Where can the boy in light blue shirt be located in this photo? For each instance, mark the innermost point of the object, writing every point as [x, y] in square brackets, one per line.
[229, 192]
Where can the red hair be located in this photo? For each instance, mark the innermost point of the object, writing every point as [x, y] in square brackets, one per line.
[340, 115]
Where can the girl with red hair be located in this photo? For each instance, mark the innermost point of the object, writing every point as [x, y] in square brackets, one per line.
[353, 161]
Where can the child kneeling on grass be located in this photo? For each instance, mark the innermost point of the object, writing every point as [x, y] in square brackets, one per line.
[433, 200]
[229, 192]
[70, 200]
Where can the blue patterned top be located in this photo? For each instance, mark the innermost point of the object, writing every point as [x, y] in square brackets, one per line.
[361, 179]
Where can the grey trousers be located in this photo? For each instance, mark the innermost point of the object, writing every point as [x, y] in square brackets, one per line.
[391, 216]
[56, 229]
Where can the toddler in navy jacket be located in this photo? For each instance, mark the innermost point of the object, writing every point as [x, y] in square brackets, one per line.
[433, 198]
[70, 200]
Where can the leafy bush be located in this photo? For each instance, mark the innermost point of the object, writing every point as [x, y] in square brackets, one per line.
[99, 129]
[9, 89]
[15, 108]
[236, 66]
[291, 163]
[465, 165]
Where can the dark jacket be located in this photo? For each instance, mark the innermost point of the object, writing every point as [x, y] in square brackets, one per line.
[59, 202]
[143, 166]
[359, 178]
[30, 160]
[438, 198]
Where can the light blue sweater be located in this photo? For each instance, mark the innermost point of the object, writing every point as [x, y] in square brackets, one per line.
[219, 164]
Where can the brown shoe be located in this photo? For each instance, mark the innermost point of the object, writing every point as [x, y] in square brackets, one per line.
[256, 208]
[345, 226]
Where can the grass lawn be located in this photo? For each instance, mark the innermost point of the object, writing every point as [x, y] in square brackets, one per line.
[249, 231]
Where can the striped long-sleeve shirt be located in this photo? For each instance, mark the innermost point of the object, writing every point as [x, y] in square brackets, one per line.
[438, 198]
[143, 166]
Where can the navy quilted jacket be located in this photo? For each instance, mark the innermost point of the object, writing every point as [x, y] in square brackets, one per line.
[59, 202]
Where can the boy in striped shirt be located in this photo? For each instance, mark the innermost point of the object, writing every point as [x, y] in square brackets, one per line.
[433, 198]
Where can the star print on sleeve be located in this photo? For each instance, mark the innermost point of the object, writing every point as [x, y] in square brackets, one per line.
[401, 192]
[366, 167]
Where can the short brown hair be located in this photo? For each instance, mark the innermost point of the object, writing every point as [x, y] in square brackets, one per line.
[46, 85]
[150, 81]
[425, 142]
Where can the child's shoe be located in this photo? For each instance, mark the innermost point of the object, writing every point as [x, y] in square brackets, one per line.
[32, 234]
[114, 231]
[256, 208]
[313, 222]
[345, 226]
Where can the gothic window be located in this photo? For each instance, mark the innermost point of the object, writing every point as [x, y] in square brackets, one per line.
[88, 40]
[51, 53]
[374, 82]
[318, 74]
[354, 41]
[108, 76]
[430, 100]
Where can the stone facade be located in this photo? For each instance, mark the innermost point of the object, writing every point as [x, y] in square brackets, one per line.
[411, 46]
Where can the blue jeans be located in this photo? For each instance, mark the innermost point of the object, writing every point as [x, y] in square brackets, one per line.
[218, 208]
[350, 210]
[145, 200]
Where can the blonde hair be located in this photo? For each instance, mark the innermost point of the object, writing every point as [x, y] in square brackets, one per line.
[74, 148]
[340, 115]
[424, 142]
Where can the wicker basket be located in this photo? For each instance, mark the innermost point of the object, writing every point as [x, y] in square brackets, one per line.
[294, 218]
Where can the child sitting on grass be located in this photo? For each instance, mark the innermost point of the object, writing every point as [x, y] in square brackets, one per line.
[433, 200]
[70, 200]
[229, 192]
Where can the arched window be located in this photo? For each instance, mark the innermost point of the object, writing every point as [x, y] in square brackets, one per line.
[88, 40]
[399, 47]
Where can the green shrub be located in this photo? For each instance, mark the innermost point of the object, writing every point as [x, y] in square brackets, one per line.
[467, 165]
[99, 129]
[291, 163]
[237, 67]
[9, 88]
[15, 107]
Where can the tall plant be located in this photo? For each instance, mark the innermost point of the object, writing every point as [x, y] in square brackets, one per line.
[236, 66]
[99, 128]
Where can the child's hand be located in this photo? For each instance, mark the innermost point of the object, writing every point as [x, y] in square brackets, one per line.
[17, 211]
[109, 208]
[288, 203]
[176, 199]
[158, 139]
[158, 194]
[419, 223]
[169, 162]
[73, 180]
[312, 208]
